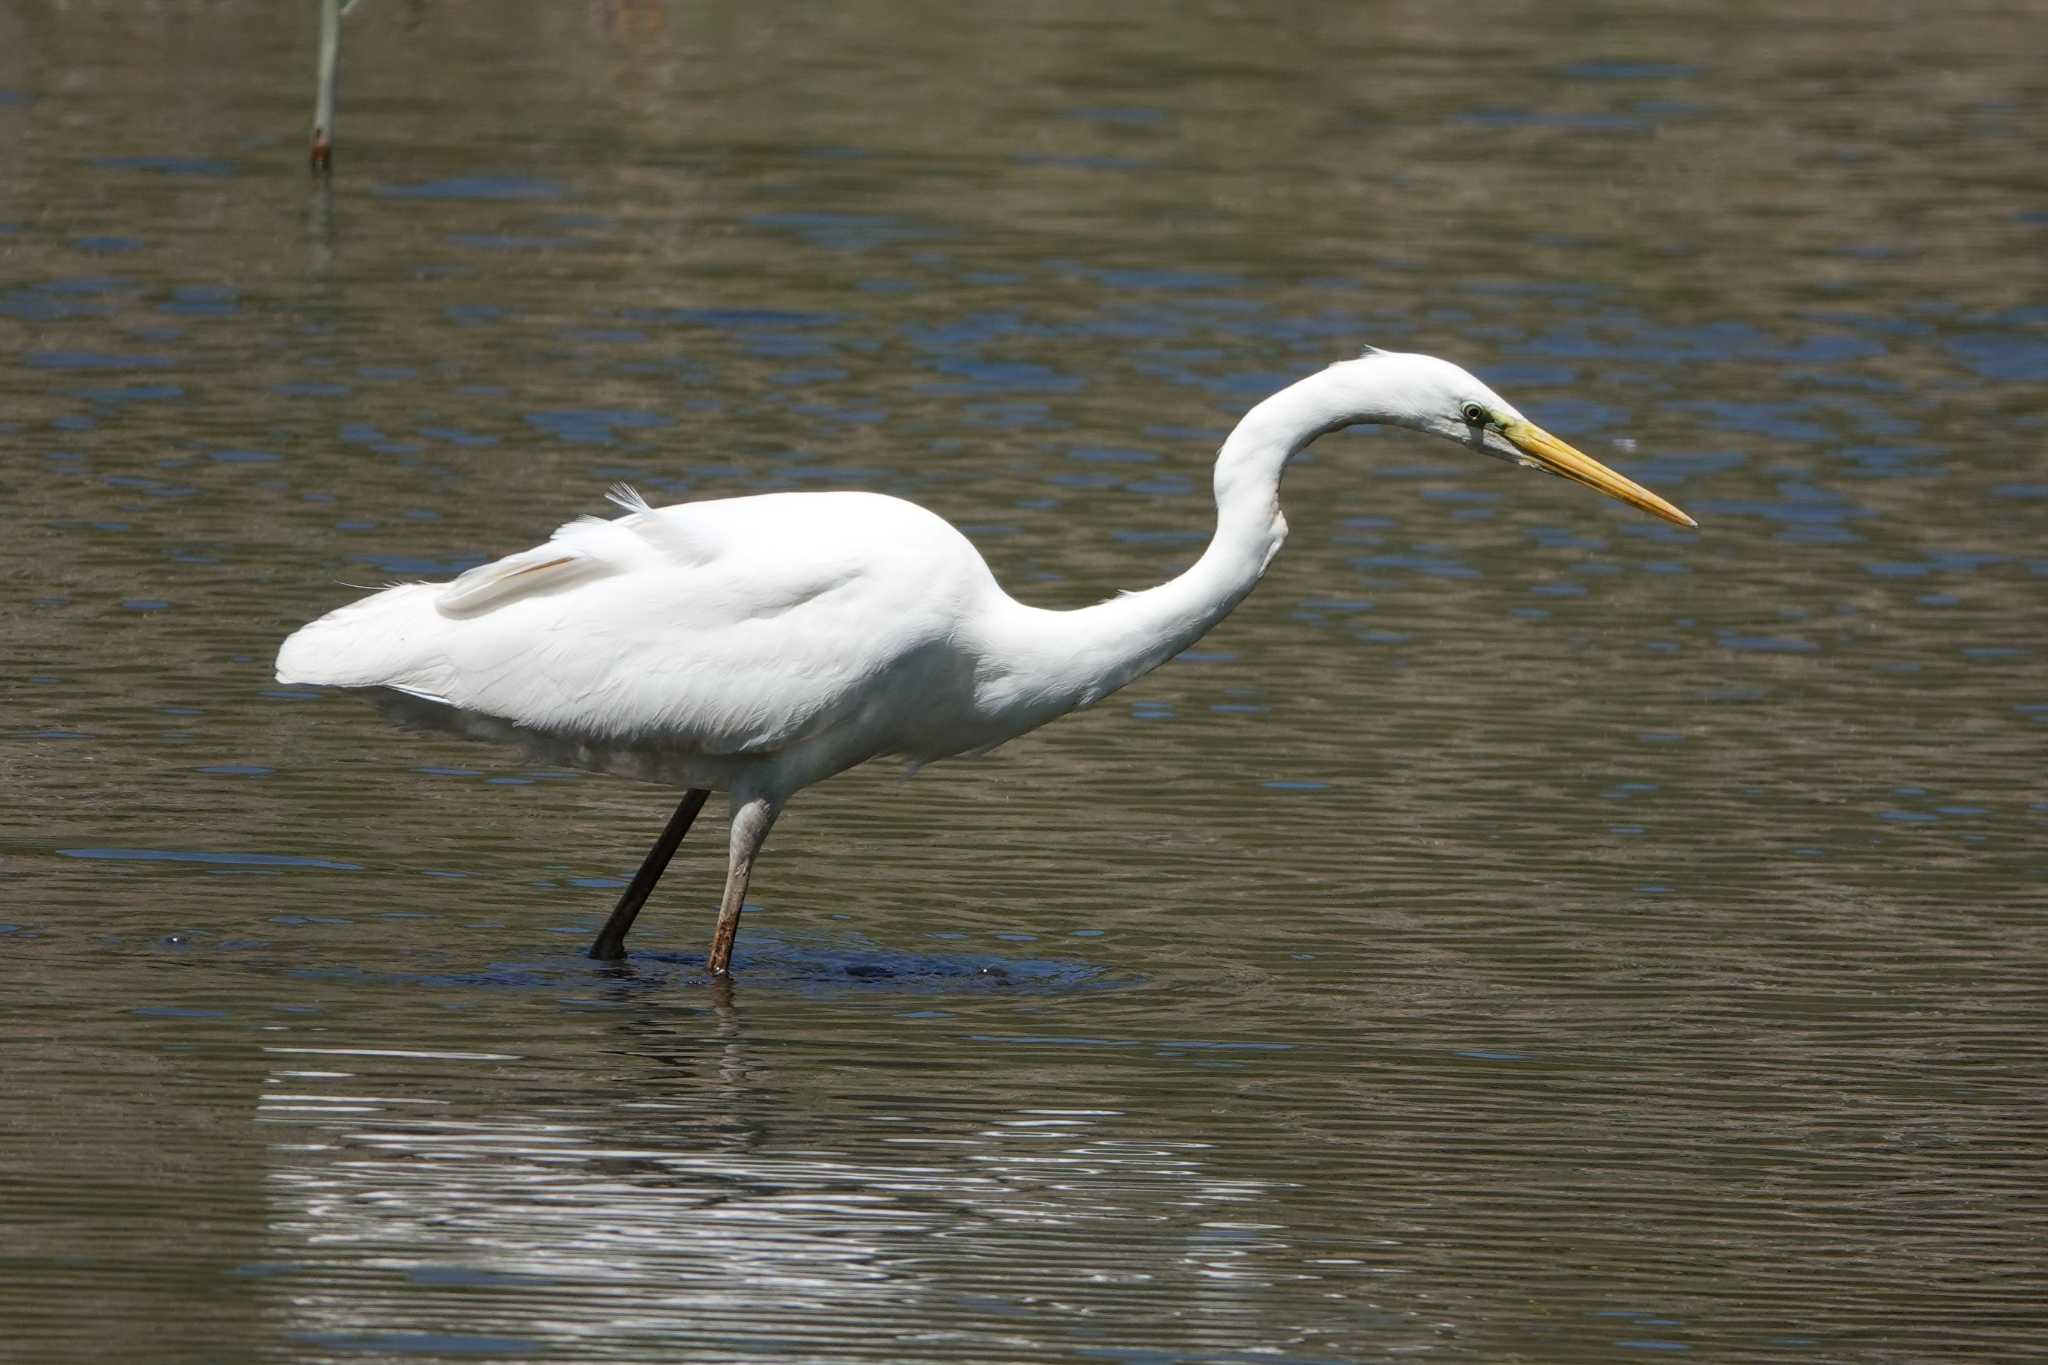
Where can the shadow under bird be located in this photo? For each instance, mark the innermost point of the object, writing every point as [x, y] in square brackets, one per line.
[757, 645]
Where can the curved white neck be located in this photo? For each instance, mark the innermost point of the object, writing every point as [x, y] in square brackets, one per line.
[1072, 658]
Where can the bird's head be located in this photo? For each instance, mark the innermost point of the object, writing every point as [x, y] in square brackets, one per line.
[1432, 395]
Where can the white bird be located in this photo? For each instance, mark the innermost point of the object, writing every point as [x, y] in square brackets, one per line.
[757, 645]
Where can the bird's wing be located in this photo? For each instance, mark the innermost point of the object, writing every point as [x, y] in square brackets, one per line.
[584, 549]
[723, 627]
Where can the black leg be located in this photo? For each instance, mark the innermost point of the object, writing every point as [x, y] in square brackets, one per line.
[611, 940]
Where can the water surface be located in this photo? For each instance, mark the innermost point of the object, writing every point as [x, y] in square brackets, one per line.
[1524, 931]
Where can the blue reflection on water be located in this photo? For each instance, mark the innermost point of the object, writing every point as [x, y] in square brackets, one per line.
[157, 855]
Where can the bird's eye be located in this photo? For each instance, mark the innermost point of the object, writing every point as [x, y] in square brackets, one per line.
[1475, 414]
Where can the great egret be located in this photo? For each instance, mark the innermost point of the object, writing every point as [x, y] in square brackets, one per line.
[756, 645]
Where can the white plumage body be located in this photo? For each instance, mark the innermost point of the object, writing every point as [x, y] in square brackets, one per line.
[760, 642]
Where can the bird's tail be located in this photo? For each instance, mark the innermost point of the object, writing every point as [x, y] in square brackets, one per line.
[390, 639]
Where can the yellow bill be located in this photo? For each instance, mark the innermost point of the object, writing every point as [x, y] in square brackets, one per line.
[1547, 452]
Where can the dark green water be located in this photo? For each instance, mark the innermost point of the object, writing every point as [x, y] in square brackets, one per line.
[1523, 932]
